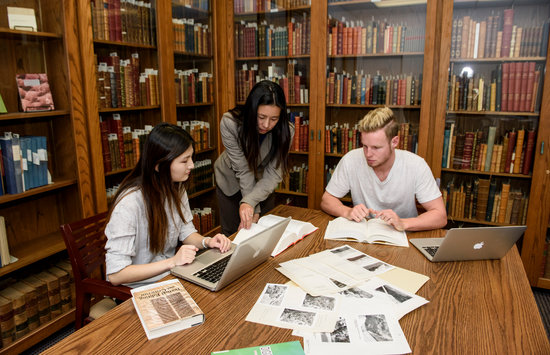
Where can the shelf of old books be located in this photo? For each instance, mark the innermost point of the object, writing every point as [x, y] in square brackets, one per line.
[496, 71]
[375, 58]
[195, 93]
[272, 42]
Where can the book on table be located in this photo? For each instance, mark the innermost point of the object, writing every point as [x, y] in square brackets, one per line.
[165, 307]
[287, 348]
[294, 232]
[372, 231]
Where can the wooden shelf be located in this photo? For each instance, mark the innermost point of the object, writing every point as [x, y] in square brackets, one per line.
[498, 60]
[34, 250]
[118, 171]
[17, 34]
[494, 113]
[477, 172]
[202, 192]
[31, 115]
[295, 105]
[297, 152]
[543, 283]
[475, 221]
[377, 55]
[40, 333]
[191, 54]
[288, 192]
[272, 12]
[411, 107]
[274, 57]
[123, 109]
[195, 104]
[334, 155]
[58, 184]
[123, 44]
[192, 9]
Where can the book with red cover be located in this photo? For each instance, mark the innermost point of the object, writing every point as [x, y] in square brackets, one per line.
[34, 92]
[529, 147]
[508, 18]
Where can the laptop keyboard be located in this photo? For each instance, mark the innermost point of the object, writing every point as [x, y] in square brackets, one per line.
[213, 272]
[431, 250]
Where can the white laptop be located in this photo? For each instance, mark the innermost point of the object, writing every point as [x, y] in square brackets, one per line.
[478, 243]
[214, 270]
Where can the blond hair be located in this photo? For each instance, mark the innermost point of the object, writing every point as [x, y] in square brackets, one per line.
[380, 118]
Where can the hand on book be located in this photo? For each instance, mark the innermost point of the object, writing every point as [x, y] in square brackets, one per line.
[246, 212]
[358, 212]
[390, 217]
[219, 241]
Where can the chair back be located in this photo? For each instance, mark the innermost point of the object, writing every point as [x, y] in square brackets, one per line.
[85, 241]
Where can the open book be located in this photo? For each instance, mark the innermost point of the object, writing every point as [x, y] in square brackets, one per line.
[165, 307]
[372, 231]
[294, 232]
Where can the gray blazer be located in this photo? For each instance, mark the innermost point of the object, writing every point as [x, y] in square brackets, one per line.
[231, 168]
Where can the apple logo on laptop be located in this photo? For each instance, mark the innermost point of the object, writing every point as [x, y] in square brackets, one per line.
[479, 245]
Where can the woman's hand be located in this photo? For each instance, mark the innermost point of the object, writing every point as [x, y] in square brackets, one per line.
[185, 255]
[219, 241]
[246, 212]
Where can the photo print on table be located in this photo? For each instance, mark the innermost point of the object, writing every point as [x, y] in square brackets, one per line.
[297, 317]
[319, 302]
[274, 295]
[339, 335]
[374, 327]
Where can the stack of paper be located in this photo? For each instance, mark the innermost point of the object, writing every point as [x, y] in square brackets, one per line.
[340, 303]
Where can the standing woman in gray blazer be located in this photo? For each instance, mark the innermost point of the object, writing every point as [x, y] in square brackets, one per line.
[257, 139]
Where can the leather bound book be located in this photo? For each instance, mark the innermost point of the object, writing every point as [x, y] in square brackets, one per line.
[527, 104]
[508, 23]
[41, 296]
[19, 313]
[505, 82]
[482, 39]
[465, 37]
[512, 136]
[482, 196]
[529, 147]
[31, 303]
[467, 150]
[504, 194]
[490, 200]
[7, 323]
[523, 87]
[517, 85]
[519, 151]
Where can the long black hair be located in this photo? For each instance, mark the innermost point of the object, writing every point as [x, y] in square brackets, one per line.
[152, 176]
[264, 92]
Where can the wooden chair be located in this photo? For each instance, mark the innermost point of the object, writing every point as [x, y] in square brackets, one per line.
[85, 241]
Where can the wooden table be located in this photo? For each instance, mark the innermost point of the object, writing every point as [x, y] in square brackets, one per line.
[475, 307]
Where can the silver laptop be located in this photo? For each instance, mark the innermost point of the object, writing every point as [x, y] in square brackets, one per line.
[214, 270]
[478, 243]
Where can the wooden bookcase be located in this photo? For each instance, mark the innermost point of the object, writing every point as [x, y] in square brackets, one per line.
[33, 217]
[506, 115]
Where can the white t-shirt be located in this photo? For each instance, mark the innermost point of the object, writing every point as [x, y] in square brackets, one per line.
[128, 235]
[410, 177]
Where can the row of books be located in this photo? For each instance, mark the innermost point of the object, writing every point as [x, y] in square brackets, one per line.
[120, 83]
[364, 89]
[194, 4]
[193, 87]
[200, 131]
[497, 36]
[121, 145]
[35, 300]
[203, 219]
[24, 163]
[293, 82]
[201, 177]
[340, 138]
[245, 6]
[512, 87]
[124, 21]
[486, 200]
[296, 179]
[191, 36]
[355, 38]
[503, 152]
[300, 142]
[267, 40]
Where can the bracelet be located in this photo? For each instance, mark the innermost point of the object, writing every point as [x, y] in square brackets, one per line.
[203, 242]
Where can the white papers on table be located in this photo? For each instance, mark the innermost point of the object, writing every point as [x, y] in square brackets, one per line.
[288, 306]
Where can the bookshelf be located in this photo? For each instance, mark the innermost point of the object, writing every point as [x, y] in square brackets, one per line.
[272, 40]
[33, 216]
[193, 29]
[374, 57]
[493, 166]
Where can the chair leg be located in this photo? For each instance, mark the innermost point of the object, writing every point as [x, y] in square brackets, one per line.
[82, 306]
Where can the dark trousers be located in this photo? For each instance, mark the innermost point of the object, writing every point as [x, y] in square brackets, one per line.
[229, 210]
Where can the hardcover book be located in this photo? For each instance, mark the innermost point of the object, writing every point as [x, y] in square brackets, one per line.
[2, 106]
[288, 348]
[374, 231]
[34, 92]
[165, 307]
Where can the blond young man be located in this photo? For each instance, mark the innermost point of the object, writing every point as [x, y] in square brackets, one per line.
[385, 181]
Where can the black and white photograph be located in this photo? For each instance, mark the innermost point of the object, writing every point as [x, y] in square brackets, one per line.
[340, 250]
[378, 267]
[395, 295]
[355, 292]
[338, 283]
[297, 317]
[274, 295]
[374, 327]
[339, 335]
[319, 302]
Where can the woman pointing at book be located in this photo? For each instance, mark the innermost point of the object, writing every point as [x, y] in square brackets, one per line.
[151, 213]
[257, 140]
